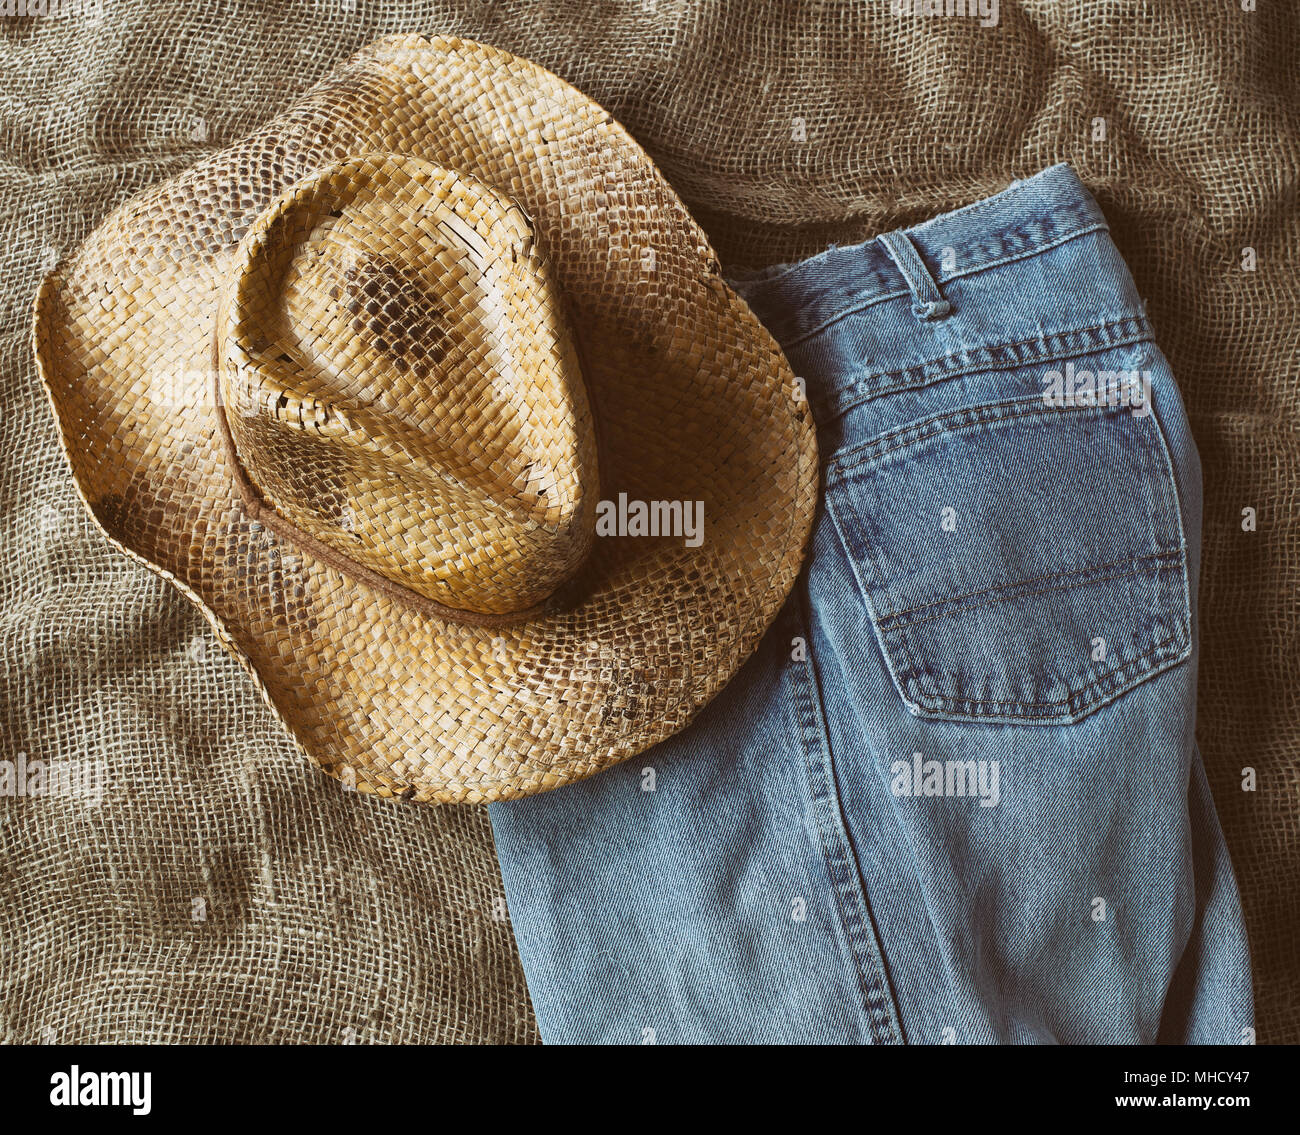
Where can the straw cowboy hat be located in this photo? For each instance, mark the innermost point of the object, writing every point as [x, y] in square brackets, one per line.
[428, 393]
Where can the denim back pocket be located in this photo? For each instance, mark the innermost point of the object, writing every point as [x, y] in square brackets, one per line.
[1022, 562]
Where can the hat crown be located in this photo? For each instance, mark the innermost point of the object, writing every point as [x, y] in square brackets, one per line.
[401, 384]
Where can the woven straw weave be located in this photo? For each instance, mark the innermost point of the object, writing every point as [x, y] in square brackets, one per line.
[402, 296]
[784, 125]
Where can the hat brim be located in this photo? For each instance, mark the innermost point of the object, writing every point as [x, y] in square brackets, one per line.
[696, 403]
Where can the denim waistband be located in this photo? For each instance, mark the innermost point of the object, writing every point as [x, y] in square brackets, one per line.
[1028, 274]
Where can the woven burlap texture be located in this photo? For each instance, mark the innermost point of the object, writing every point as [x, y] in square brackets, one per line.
[784, 126]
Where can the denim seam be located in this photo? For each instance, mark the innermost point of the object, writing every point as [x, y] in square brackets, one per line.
[1176, 508]
[846, 528]
[1091, 696]
[871, 301]
[1104, 688]
[1174, 556]
[1088, 697]
[879, 1002]
[1031, 405]
[981, 361]
[974, 270]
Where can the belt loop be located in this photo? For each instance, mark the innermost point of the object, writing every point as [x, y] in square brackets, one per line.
[927, 300]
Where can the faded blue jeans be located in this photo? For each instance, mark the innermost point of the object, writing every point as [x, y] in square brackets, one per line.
[955, 797]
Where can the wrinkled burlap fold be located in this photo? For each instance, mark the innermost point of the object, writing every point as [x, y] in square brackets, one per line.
[226, 890]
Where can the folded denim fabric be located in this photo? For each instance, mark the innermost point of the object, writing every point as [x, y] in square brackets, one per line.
[956, 796]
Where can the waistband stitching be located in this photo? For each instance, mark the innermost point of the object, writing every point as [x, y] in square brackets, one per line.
[1128, 330]
[974, 270]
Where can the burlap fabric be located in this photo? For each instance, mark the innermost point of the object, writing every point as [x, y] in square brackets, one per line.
[784, 126]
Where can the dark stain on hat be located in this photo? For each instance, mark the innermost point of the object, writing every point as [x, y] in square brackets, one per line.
[394, 310]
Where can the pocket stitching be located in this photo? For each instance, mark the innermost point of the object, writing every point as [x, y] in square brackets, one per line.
[933, 427]
[897, 616]
[1090, 690]
[1137, 669]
